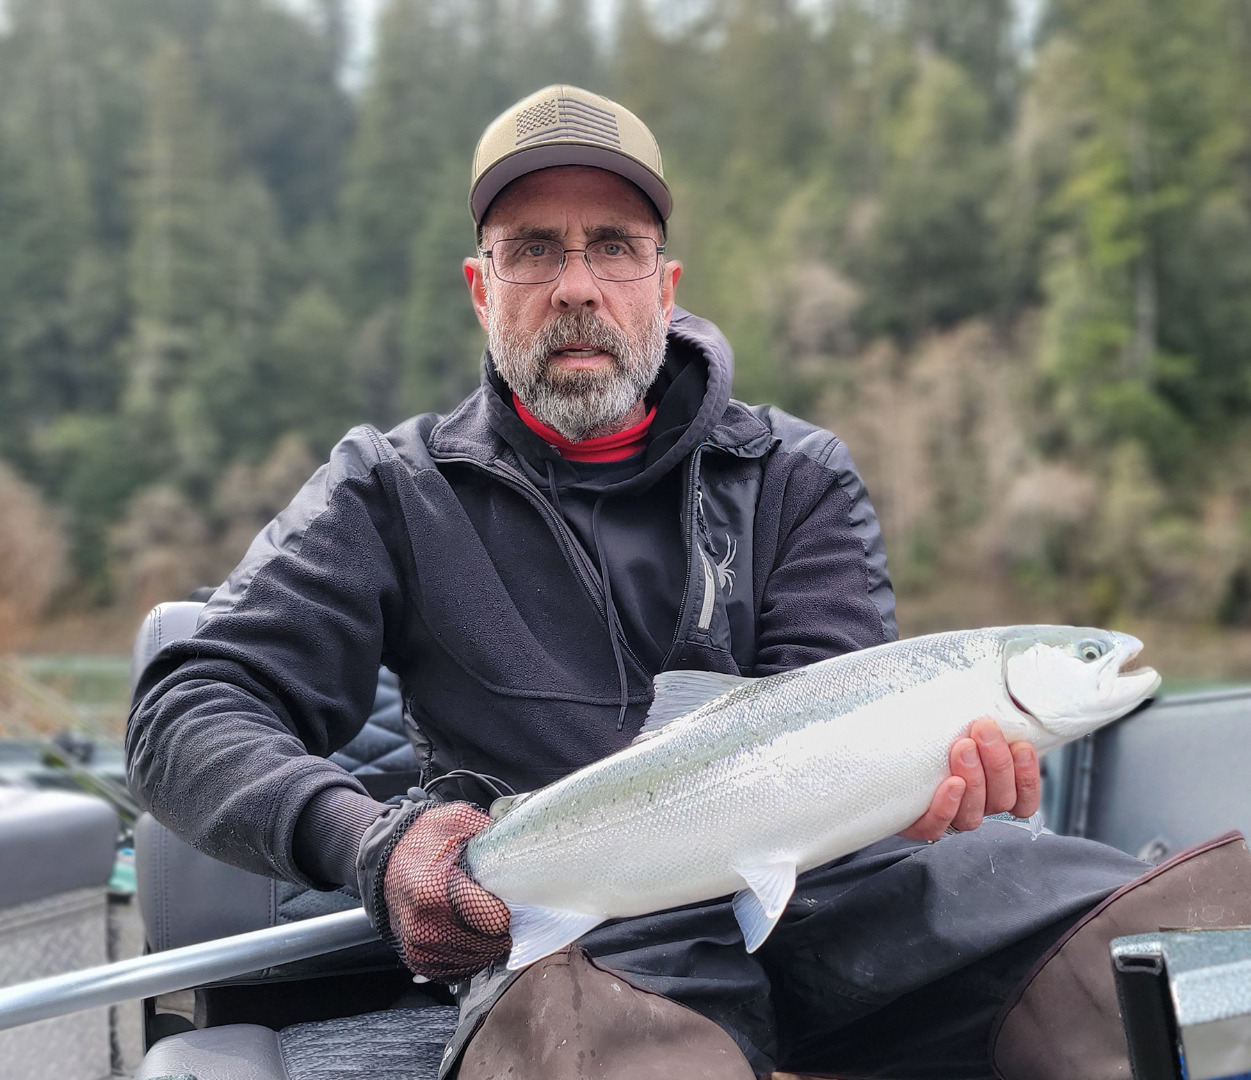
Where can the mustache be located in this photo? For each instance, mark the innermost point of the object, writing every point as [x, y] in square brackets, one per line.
[579, 327]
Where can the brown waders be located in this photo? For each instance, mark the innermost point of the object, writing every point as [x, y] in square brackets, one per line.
[567, 1018]
[890, 963]
[895, 963]
[1062, 1022]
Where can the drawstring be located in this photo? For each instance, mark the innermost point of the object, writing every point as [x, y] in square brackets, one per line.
[614, 624]
[551, 487]
[498, 788]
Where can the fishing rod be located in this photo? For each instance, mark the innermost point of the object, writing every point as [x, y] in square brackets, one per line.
[31, 694]
[183, 968]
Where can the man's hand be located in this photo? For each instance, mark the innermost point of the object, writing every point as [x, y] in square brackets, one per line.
[419, 896]
[447, 925]
[987, 777]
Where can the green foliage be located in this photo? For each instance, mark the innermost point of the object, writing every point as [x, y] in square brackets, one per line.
[271, 79]
[403, 135]
[439, 333]
[208, 245]
[1141, 276]
[92, 464]
[310, 388]
[929, 260]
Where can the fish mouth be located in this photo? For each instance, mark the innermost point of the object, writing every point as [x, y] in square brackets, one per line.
[1129, 660]
[1122, 675]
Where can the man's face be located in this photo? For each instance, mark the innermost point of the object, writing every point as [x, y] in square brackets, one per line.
[578, 351]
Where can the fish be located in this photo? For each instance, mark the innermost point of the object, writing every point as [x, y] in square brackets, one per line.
[737, 785]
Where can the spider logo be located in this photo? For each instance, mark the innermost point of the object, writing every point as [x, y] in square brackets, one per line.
[725, 576]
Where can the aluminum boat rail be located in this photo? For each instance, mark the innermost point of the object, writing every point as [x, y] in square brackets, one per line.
[180, 969]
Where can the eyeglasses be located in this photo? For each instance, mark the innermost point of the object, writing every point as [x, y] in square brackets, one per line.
[529, 261]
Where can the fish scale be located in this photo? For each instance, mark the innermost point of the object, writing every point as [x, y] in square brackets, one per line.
[775, 776]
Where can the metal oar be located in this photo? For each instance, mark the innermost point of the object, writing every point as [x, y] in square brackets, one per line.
[179, 969]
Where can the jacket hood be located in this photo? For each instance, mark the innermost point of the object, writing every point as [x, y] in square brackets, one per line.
[691, 393]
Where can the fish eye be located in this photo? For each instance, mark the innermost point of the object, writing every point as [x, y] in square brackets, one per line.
[1090, 650]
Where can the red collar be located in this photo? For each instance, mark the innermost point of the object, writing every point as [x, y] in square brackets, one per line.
[616, 447]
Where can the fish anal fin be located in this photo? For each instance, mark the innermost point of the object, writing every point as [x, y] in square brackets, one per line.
[680, 692]
[758, 907]
[540, 931]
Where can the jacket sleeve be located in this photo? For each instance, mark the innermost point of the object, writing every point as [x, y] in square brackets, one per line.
[822, 586]
[228, 734]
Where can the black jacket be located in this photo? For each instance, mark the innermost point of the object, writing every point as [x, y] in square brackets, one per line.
[469, 557]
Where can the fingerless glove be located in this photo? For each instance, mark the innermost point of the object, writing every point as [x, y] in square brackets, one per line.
[419, 895]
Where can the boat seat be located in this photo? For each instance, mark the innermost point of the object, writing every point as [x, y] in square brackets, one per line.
[289, 1022]
[56, 855]
[382, 748]
[1171, 775]
[395, 1044]
[187, 897]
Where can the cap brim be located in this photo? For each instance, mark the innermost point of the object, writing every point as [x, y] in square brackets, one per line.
[532, 159]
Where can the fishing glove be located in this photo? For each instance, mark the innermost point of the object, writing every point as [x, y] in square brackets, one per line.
[418, 893]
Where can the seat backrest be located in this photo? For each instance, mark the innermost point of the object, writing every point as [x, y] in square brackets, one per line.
[187, 897]
[1171, 775]
[382, 749]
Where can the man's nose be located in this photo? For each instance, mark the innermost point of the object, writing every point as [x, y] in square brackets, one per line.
[577, 286]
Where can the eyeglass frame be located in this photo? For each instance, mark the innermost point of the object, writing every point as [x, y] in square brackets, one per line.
[485, 253]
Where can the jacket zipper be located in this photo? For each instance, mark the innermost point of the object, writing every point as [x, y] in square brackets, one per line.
[688, 534]
[569, 544]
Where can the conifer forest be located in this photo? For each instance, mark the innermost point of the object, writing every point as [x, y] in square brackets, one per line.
[1002, 249]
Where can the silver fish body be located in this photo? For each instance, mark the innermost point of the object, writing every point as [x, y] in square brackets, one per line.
[775, 776]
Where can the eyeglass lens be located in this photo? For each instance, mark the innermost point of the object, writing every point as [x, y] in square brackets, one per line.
[532, 261]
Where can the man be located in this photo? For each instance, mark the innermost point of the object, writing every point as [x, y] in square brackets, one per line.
[598, 511]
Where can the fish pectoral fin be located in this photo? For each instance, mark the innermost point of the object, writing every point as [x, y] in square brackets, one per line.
[759, 906]
[677, 693]
[539, 931]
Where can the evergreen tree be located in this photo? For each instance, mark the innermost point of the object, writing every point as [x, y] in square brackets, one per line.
[45, 221]
[271, 77]
[207, 262]
[561, 49]
[929, 259]
[310, 382]
[180, 259]
[1131, 335]
[441, 338]
[978, 36]
[402, 137]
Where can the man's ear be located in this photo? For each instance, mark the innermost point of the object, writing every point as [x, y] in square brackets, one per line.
[668, 286]
[473, 270]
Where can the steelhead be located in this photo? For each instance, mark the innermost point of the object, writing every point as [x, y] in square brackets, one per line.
[736, 785]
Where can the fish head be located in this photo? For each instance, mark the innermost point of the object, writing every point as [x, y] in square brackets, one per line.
[1074, 679]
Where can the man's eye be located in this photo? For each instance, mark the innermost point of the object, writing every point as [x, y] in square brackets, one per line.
[614, 249]
[535, 249]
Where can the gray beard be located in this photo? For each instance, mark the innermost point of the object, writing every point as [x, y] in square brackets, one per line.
[577, 403]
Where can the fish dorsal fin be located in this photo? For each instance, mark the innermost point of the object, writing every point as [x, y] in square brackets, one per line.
[539, 931]
[505, 803]
[680, 692]
[759, 906]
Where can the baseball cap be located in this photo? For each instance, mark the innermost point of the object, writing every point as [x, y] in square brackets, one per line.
[566, 125]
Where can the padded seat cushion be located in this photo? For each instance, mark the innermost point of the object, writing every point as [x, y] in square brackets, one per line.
[396, 1044]
[52, 842]
[383, 744]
